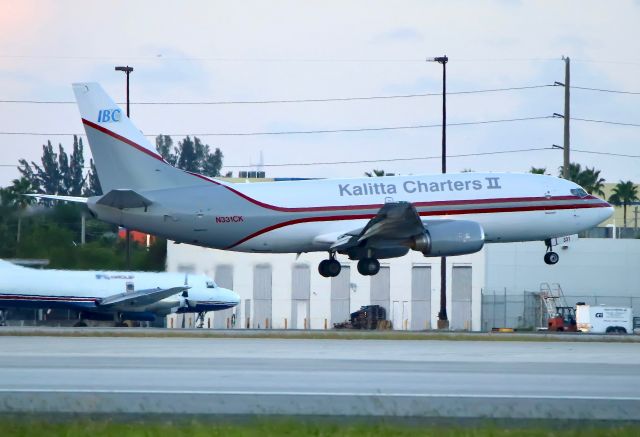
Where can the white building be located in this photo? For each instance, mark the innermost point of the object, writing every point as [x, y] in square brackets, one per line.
[285, 291]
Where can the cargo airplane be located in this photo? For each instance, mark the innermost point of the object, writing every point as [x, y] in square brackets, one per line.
[118, 296]
[366, 219]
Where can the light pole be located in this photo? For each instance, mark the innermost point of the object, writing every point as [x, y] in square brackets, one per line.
[443, 320]
[127, 71]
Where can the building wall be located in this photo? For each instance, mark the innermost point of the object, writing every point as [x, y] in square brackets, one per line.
[192, 258]
[587, 267]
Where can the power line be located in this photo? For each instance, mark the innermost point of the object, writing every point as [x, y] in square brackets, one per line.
[258, 102]
[607, 61]
[366, 161]
[593, 152]
[619, 123]
[320, 131]
[602, 90]
[413, 158]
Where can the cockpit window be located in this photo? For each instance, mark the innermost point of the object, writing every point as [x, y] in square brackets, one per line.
[579, 192]
[211, 284]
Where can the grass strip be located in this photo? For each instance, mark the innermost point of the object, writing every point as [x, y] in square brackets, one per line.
[327, 335]
[282, 427]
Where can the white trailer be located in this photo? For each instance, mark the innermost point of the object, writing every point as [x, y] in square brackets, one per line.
[602, 319]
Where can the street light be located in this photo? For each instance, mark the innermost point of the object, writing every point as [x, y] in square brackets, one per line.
[443, 320]
[127, 70]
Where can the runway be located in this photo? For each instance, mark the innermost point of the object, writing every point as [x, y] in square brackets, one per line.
[466, 379]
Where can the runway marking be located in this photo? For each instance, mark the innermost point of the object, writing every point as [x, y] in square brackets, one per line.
[337, 394]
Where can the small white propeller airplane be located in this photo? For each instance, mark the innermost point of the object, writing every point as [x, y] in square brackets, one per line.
[118, 296]
[366, 218]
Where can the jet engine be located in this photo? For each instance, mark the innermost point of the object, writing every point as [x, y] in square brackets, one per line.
[449, 238]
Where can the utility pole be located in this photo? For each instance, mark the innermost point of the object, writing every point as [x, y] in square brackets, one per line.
[83, 229]
[443, 320]
[127, 71]
[567, 116]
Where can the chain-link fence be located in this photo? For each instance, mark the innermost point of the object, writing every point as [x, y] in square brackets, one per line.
[525, 310]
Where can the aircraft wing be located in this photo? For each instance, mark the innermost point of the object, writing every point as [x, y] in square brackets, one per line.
[394, 221]
[57, 197]
[138, 298]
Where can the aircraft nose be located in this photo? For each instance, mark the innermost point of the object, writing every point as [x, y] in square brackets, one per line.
[230, 296]
[608, 211]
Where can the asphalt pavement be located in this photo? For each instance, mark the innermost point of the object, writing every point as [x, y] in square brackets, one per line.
[422, 378]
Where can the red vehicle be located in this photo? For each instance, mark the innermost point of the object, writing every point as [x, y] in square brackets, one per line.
[564, 320]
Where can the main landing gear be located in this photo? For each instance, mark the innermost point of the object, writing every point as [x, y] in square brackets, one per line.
[550, 257]
[368, 266]
[331, 267]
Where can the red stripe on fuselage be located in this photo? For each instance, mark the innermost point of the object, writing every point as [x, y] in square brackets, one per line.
[370, 206]
[423, 213]
[332, 207]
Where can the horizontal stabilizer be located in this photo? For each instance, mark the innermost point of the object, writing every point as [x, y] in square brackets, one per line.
[61, 198]
[138, 298]
[124, 199]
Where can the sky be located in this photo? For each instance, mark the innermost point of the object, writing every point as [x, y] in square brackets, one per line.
[248, 51]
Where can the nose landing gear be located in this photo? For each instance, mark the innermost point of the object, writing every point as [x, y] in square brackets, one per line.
[331, 267]
[550, 257]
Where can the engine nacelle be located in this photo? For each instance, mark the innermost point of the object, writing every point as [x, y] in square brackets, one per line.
[449, 238]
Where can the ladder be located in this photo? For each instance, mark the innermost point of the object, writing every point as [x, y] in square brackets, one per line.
[553, 297]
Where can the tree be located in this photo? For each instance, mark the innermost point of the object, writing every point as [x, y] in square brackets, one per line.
[14, 196]
[190, 155]
[589, 178]
[592, 182]
[624, 193]
[212, 163]
[45, 178]
[65, 173]
[75, 179]
[164, 146]
[92, 187]
[536, 170]
[58, 173]
[377, 173]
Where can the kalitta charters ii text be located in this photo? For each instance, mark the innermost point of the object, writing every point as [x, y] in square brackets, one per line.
[418, 186]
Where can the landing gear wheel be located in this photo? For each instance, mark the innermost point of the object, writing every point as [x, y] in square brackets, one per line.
[333, 268]
[322, 268]
[329, 268]
[80, 324]
[368, 266]
[551, 258]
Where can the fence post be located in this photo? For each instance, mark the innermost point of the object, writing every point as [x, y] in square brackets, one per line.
[504, 324]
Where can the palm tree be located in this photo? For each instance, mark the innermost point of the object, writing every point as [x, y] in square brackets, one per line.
[15, 197]
[592, 182]
[377, 173]
[623, 194]
[589, 178]
[538, 170]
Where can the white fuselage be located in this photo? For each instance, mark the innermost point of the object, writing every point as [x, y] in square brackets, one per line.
[26, 287]
[304, 216]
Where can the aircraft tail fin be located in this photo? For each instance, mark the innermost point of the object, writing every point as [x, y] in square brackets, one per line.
[123, 156]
